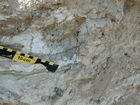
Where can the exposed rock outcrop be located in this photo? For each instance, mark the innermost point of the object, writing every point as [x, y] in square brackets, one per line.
[95, 42]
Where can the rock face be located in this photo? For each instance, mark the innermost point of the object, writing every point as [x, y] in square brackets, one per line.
[95, 42]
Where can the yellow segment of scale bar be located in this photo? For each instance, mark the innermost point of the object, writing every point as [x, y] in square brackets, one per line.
[24, 59]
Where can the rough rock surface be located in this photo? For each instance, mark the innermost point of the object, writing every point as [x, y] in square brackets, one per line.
[95, 42]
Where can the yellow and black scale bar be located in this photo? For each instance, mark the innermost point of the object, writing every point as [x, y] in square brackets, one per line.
[25, 58]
